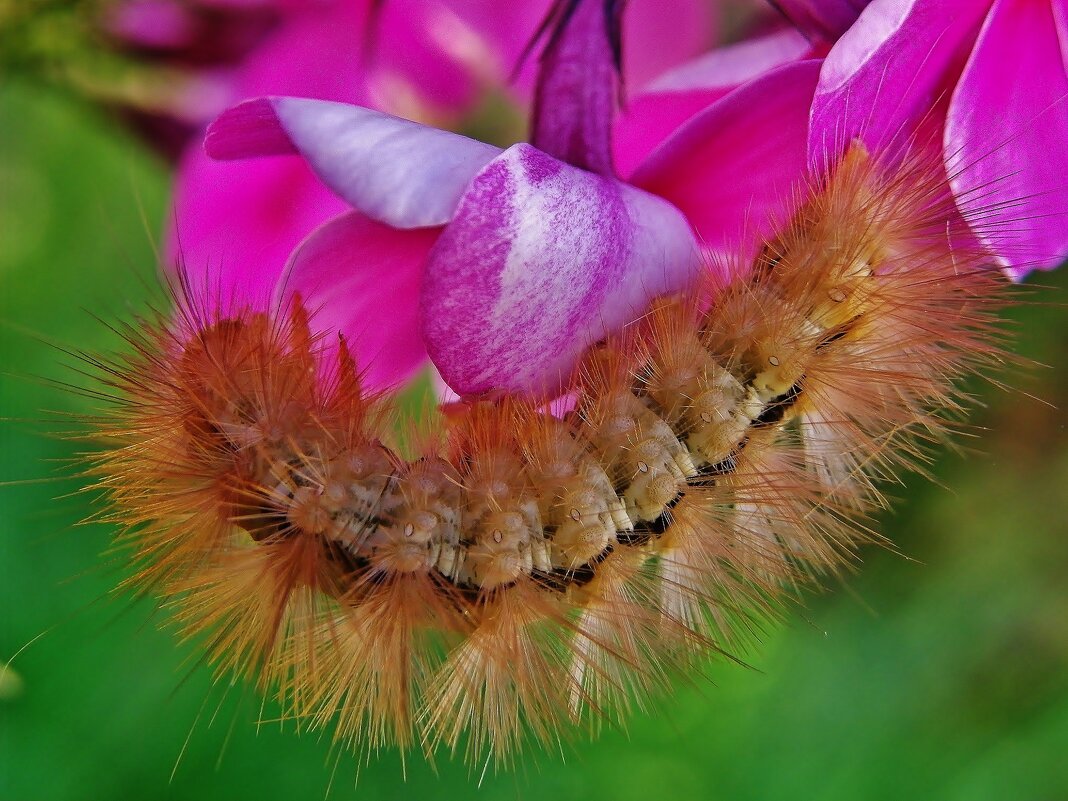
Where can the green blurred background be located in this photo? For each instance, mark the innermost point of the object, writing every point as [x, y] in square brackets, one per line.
[939, 674]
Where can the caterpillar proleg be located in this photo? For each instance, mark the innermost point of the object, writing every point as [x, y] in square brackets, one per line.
[527, 572]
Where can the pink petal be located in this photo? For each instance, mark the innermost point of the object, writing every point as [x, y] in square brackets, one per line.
[1006, 137]
[393, 170]
[248, 4]
[361, 279]
[658, 36]
[426, 49]
[888, 71]
[249, 130]
[578, 83]
[648, 118]
[732, 168]
[316, 51]
[728, 67]
[235, 224]
[821, 20]
[540, 261]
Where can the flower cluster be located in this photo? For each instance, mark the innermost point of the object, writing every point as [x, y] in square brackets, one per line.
[503, 264]
[236, 225]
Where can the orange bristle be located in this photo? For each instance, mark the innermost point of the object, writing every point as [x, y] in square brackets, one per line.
[520, 572]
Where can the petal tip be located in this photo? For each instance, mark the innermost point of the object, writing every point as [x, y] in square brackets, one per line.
[248, 130]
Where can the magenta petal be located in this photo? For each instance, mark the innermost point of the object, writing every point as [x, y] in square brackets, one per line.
[659, 35]
[676, 96]
[235, 224]
[361, 279]
[248, 130]
[732, 168]
[427, 53]
[1006, 137]
[488, 37]
[577, 84]
[393, 170]
[541, 260]
[731, 66]
[888, 71]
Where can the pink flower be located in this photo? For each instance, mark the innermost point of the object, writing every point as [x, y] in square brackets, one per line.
[789, 31]
[238, 223]
[235, 225]
[523, 256]
[993, 73]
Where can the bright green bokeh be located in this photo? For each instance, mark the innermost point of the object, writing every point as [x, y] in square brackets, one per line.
[943, 676]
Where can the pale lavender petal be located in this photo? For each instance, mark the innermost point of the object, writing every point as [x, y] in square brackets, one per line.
[888, 71]
[733, 168]
[821, 20]
[540, 261]
[393, 170]
[1006, 137]
[676, 96]
[361, 279]
[578, 83]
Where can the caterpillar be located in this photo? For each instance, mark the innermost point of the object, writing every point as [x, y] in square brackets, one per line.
[526, 571]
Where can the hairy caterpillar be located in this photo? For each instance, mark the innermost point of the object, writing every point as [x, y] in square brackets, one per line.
[523, 572]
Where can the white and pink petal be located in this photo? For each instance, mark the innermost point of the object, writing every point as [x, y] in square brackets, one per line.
[541, 260]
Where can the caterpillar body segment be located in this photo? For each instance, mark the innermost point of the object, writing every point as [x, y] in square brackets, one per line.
[532, 571]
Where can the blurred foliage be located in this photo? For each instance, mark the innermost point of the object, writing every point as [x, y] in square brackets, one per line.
[940, 673]
[65, 45]
[37, 35]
